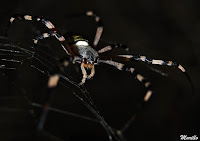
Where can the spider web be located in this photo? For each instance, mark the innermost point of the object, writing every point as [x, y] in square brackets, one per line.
[25, 93]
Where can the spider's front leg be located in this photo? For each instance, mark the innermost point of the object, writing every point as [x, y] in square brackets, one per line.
[48, 24]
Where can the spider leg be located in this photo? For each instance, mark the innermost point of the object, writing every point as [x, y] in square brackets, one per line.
[153, 62]
[49, 25]
[123, 67]
[42, 36]
[113, 46]
[52, 83]
[140, 78]
[99, 28]
[98, 21]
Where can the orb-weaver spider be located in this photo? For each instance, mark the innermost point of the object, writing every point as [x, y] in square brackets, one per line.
[79, 50]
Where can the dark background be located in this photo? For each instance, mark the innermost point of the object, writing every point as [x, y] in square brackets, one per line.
[168, 30]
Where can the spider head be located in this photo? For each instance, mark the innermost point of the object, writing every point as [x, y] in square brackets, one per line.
[87, 53]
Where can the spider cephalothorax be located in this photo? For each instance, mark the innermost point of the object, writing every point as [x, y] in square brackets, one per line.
[83, 52]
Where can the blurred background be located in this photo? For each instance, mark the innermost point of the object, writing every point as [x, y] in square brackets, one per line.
[168, 30]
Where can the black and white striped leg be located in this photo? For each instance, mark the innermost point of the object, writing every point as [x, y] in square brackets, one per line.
[153, 61]
[99, 28]
[52, 83]
[123, 67]
[49, 25]
[158, 62]
[113, 46]
[42, 36]
[140, 78]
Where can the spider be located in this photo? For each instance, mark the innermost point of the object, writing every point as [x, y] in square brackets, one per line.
[79, 50]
